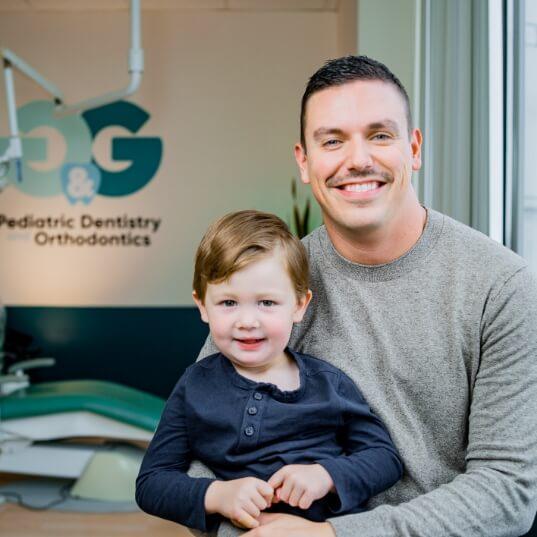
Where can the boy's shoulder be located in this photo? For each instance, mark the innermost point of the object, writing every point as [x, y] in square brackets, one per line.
[201, 367]
[209, 362]
[314, 365]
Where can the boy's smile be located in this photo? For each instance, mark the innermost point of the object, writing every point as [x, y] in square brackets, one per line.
[251, 314]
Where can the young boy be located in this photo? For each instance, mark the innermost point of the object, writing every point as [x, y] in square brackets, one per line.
[279, 429]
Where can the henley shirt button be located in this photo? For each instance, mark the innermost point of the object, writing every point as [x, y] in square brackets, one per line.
[249, 431]
[252, 411]
[258, 396]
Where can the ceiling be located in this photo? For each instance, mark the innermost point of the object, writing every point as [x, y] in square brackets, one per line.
[119, 5]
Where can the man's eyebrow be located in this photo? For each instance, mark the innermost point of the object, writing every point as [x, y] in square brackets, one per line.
[385, 124]
[324, 131]
[377, 125]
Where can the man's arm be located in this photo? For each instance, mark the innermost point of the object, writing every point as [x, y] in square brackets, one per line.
[208, 348]
[496, 495]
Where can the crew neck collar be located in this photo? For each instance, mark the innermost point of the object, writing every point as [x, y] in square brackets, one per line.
[267, 387]
[393, 269]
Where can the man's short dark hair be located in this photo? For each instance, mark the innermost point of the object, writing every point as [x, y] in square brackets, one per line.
[349, 69]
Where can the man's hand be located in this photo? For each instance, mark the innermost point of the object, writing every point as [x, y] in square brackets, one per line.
[240, 500]
[300, 485]
[280, 525]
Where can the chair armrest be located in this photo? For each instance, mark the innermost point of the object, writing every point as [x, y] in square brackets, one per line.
[24, 365]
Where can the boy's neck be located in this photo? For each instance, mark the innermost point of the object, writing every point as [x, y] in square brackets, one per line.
[282, 372]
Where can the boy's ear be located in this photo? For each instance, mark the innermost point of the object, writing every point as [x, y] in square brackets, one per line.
[302, 306]
[201, 307]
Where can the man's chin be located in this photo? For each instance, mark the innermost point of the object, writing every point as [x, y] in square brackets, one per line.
[367, 223]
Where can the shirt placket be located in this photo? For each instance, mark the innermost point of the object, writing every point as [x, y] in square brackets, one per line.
[251, 423]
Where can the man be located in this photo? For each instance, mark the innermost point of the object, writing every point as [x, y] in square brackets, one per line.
[435, 323]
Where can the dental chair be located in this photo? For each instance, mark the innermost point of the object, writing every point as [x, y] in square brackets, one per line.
[91, 432]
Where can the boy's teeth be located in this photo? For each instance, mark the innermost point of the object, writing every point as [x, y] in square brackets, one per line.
[362, 187]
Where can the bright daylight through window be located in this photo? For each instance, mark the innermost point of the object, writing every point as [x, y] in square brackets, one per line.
[529, 217]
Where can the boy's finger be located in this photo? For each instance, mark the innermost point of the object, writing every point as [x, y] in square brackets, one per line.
[294, 495]
[252, 509]
[245, 521]
[277, 478]
[305, 501]
[260, 501]
[265, 489]
[284, 491]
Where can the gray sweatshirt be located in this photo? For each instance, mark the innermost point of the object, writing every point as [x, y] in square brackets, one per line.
[442, 342]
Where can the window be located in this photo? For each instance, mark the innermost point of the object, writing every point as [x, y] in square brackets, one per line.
[528, 244]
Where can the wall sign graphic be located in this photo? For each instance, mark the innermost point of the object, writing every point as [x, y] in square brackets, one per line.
[81, 178]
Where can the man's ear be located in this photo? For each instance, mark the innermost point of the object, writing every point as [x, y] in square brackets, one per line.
[416, 140]
[302, 306]
[201, 307]
[302, 161]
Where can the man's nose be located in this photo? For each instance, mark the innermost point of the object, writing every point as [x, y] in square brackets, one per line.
[358, 155]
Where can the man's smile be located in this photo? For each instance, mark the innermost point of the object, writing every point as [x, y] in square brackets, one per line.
[361, 187]
[359, 190]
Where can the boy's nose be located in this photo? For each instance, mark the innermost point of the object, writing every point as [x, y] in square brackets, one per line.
[247, 322]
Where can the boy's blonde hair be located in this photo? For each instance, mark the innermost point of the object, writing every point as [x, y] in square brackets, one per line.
[238, 239]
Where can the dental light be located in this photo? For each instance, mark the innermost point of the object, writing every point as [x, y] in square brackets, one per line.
[12, 61]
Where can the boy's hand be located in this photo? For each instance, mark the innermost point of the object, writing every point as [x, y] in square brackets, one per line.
[300, 485]
[240, 500]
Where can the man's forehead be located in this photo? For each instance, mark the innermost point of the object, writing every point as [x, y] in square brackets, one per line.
[373, 101]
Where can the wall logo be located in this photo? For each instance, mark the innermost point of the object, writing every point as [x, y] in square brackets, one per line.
[79, 177]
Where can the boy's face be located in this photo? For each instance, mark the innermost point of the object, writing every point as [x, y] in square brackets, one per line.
[251, 315]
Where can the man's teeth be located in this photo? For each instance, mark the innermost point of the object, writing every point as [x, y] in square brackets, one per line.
[361, 187]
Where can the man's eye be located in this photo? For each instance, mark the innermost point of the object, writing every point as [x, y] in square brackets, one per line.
[228, 303]
[382, 136]
[331, 143]
[268, 303]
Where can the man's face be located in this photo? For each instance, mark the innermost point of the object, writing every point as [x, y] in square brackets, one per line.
[359, 157]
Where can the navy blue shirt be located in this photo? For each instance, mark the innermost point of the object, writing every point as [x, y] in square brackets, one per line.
[239, 428]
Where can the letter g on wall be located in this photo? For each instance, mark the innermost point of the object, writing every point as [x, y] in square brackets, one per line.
[78, 132]
[145, 153]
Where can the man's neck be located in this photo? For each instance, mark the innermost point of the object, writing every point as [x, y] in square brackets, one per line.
[381, 245]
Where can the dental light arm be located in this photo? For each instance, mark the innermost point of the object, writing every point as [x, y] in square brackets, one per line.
[11, 60]
[14, 150]
[136, 68]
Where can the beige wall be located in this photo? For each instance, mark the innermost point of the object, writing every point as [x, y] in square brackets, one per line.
[387, 32]
[223, 90]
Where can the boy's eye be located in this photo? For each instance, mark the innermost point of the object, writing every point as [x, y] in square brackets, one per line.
[268, 303]
[228, 303]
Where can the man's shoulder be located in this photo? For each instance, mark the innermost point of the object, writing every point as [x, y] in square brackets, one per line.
[312, 239]
[460, 243]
